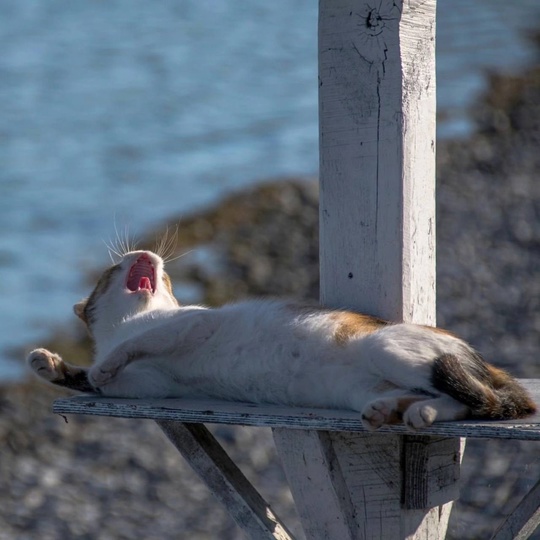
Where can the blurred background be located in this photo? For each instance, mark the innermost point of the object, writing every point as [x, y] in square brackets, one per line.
[127, 116]
[134, 112]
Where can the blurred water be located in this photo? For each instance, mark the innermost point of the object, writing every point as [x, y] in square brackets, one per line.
[131, 112]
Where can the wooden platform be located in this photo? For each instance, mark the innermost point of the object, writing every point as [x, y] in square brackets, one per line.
[425, 458]
[248, 414]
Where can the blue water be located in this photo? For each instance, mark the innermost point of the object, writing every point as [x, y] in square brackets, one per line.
[130, 112]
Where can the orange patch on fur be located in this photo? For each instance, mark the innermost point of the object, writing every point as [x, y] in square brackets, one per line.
[83, 308]
[498, 377]
[499, 380]
[350, 324]
[168, 285]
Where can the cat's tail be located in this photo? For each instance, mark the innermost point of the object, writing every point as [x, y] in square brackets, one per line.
[489, 392]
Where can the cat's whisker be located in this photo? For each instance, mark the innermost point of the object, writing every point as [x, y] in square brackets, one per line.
[160, 242]
[166, 243]
[178, 256]
[171, 246]
[117, 237]
[166, 246]
[124, 242]
[120, 249]
[112, 250]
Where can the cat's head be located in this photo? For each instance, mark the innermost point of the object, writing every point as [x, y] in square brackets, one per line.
[136, 284]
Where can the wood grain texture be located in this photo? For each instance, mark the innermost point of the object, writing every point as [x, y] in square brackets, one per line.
[249, 414]
[430, 471]
[524, 520]
[355, 479]
[225, 480]
[321, 479]
[377, 157]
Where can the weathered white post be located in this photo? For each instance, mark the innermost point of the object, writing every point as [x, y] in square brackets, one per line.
[377, 210]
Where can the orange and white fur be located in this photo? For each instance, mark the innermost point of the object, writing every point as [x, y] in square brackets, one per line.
[272, 351]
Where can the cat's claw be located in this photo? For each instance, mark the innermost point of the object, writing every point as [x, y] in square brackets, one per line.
[46, 364]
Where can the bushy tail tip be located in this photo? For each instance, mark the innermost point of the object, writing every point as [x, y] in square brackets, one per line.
[489, 392]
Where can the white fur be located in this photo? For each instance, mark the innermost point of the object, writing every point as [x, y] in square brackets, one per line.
[265, 351]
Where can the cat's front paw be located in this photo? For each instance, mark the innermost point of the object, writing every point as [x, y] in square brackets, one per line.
[47, 365]
[377, 412]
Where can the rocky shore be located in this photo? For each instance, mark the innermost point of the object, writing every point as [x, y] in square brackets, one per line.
[92, 478]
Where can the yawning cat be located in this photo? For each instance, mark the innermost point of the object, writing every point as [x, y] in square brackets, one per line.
[275, 351]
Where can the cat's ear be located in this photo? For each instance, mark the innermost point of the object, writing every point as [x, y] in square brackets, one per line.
[78, 309]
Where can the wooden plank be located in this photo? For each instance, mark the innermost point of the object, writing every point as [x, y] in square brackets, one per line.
[225, 480]
[524, 520]
[249, 414]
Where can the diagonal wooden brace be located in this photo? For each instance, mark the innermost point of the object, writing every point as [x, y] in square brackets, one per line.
[210, 461]
[524, 520]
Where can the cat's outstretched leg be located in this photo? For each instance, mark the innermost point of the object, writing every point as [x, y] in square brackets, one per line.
[52, 368]
[415, 411]
[388, 409]
[444, 408]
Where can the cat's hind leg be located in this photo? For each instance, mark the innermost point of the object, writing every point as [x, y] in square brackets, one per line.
[422, 414]
[416, 411]
[389, 408]
[52, 368]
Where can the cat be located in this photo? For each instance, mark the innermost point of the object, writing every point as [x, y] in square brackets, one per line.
[276, 351]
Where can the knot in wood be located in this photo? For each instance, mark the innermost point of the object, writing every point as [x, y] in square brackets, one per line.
[374, 22]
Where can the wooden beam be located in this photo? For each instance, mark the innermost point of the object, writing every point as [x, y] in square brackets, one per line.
[377, 212]
[225, 480]
[430, 470]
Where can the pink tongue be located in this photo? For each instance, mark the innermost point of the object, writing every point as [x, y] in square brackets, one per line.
[141, 276]
[145, 283]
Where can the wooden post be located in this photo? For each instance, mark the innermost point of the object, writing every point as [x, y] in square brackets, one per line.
[377, 157]
[377, 209]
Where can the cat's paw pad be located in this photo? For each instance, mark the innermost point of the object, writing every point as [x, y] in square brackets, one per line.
[419, 416]
[46, 364]
[376, 413]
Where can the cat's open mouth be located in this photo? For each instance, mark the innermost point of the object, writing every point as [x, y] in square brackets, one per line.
[142, 276]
